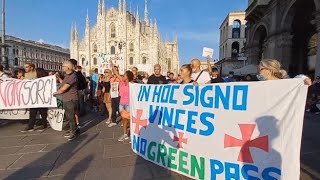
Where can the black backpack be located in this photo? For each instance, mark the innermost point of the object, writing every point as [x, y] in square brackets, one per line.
[82, 83]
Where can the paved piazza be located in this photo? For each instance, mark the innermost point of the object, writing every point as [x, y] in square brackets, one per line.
[97, 154]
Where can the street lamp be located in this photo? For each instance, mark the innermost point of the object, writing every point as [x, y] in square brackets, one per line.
[120, 45]
[3, 45]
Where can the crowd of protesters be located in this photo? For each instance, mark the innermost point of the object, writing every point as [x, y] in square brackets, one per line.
[96, 92]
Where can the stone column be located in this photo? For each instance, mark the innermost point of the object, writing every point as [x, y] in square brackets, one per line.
[284, 49]
[317, 23]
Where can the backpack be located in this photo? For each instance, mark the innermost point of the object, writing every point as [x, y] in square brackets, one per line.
[82, 83]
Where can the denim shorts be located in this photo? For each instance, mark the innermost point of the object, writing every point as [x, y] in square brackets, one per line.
[123, 107]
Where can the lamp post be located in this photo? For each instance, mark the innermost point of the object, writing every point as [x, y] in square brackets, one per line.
[121, 45]
[3, 45]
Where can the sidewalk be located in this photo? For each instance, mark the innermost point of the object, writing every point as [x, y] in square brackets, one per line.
[97, 154]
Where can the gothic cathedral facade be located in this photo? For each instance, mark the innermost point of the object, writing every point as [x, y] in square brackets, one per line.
[119, 31]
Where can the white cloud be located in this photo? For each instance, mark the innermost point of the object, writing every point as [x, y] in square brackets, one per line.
[41, 41]
[60, 44]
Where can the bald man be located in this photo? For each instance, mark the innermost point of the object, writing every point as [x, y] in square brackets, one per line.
[69, 95]
[199, 76]
[157, 77]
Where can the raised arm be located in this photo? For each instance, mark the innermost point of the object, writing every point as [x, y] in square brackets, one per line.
[209, 64]
[116, 72]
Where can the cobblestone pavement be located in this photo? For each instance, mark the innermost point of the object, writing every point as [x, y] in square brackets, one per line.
[97, 154]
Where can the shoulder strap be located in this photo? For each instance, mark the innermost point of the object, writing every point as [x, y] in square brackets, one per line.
[198, 76]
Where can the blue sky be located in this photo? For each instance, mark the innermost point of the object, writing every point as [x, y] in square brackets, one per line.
[195, 22]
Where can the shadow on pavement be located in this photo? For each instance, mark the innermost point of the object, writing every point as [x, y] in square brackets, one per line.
[80, 167]
[35, 169]
[158, 154]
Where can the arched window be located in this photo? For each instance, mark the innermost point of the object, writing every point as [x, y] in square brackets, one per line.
[144, 60]
[95, 48]
[83, 61]
[131, 47]
[95, 61]
[169, 64]
[131, 60]
[113, 50]
[112, 30]
[235, 49]
[236, 29]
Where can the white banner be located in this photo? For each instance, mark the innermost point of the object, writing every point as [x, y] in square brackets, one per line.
[104, 62]
[221, 131]
[14, 114]
[37, 93]
[114, 90]
[55, 115]
[55, 118]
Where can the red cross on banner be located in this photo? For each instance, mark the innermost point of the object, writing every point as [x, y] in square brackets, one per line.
[180, 140]
[246, 142]
[139, 122]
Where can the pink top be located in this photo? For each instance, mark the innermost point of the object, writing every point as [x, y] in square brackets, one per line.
[124, 93]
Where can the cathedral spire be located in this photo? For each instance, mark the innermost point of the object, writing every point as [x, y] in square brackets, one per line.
[120, 6]
[137, 15]
[155, 25]
[87, 21]
[146, 14]
[72, 31]
[75, 32]
[124, 9]
[99, 7]
[103, 5]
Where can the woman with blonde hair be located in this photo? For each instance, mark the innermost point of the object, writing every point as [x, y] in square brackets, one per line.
[270, 69]
[106, 93]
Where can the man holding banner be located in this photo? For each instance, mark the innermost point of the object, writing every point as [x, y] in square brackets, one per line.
[69, 94]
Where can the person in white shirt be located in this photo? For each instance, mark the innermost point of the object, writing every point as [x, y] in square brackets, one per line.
[199, 76]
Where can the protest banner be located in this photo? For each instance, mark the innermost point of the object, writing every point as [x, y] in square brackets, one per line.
[207, 52]
[14, 114]
[221, 131]
[28, 93]
[55, 118]
[114, 90]
[104, 62]
[55, 115]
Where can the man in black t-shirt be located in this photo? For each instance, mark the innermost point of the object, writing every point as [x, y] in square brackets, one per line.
[157, 78]
[136, 77]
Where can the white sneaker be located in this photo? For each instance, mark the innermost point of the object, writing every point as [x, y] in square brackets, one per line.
[108, 122]
[112, 124]
[123, 137]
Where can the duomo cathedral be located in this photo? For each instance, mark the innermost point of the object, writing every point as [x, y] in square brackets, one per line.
[120, 31]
